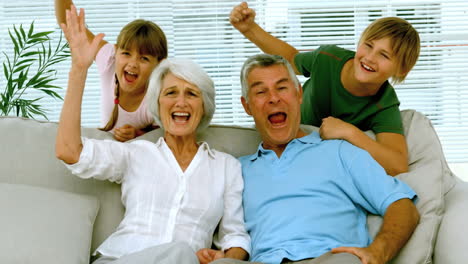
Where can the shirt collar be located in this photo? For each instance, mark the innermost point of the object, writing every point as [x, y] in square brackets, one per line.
[312, 138]
[205, 146]
[202, 144]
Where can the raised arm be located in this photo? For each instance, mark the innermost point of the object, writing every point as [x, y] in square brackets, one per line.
[60, 14]
[243, 19]
[400, 220]
[68, 143]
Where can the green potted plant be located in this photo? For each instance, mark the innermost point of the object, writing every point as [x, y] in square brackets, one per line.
[30, 67]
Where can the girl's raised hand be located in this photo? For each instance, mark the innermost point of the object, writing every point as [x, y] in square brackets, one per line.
[83, 52]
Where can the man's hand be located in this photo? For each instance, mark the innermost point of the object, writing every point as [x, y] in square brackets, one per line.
[400, 220]
[207, 255]
[366, 255]
[242, 17]
[125, 133]
[334, 128]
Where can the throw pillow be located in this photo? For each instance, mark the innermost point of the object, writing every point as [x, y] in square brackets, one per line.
[41, 225]
[426, 181]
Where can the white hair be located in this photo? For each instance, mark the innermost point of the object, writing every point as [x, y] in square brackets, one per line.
[188, 71]
[264, 60]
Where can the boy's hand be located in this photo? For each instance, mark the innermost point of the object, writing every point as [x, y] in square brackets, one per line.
[242, 17]
[207, 255]
[125, 132]
[334, 128]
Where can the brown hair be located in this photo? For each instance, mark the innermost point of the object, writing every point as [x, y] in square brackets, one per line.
[149, 39]
[404, 38]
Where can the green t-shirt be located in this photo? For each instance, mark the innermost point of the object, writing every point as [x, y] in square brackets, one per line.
[324, 94]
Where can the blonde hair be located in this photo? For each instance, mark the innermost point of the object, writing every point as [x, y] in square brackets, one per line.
[149, 39]
[404, 40]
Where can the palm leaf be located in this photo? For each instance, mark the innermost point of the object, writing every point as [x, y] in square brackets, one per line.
[42, 35]
[5, 71]
[29, 54]
[52, 93]
[30, 48]
[23, 34]
[14, 42]
[31, 29]
[20, 39]
[25, 61]
[21, 68]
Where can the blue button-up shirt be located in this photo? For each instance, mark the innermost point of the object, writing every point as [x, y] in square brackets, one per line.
[313, 198]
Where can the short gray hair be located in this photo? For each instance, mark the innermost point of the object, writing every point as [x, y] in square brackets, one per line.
[186, 70]
[264, 60]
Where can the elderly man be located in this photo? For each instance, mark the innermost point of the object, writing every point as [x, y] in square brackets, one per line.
[306, 199]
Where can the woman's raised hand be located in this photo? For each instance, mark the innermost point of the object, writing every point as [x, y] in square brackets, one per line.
[83, 51]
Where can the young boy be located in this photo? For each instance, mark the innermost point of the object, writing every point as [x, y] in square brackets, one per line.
[348, 92]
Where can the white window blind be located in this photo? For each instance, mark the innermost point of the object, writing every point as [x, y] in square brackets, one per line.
[437, 86]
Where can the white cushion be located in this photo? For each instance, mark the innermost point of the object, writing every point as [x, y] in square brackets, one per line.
[426, 181]
[39, 225]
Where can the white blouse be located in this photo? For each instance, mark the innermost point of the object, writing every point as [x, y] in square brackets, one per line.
[163, 203]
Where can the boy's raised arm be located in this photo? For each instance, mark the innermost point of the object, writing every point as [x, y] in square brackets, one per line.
[243, 19]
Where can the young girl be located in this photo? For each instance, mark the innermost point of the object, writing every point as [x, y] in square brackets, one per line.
[348, 92]
[124, 69]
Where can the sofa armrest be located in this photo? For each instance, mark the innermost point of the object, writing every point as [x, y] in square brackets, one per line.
[452, 241]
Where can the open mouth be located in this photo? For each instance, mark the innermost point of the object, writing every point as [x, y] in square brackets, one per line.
[278, 118]
[180, 117]
[130, 76]
[367, 67]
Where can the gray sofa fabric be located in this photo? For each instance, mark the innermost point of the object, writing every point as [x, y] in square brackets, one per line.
[28, 158]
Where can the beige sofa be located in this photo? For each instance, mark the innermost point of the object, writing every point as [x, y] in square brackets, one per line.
[50, 216]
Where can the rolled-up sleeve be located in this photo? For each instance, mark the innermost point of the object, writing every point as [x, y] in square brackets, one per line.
[102, 160]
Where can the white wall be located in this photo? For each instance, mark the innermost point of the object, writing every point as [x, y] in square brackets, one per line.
[460, 169]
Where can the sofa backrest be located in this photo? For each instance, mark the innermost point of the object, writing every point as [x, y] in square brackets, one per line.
[27, 156]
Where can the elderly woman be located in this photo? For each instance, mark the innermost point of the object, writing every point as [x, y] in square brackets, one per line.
[176, 191]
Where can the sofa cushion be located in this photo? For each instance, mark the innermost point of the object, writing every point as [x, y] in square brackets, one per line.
[28, 157]
[40, 225]
[424, 145]
[426, 181]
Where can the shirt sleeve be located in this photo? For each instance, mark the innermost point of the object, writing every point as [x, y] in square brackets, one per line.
[232, 232]
[305, 61]
[102, 160]
[370, 186]
[105, 62]
[388, 120]
[105, 58]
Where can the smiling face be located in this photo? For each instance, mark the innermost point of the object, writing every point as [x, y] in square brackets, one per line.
[180, 106]
[274, 102]
[133, 69]
[374, 62]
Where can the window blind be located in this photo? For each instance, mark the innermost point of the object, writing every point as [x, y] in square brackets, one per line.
[200, 30]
